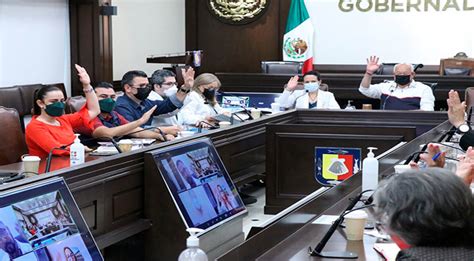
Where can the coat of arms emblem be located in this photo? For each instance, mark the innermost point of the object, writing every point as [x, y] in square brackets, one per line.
[237, 11]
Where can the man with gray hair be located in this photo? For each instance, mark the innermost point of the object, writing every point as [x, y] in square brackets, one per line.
[431, 211]
[403, 93]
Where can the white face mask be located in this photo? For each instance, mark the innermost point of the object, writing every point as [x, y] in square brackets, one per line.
[171, 91]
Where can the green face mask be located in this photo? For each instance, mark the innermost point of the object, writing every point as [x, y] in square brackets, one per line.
[55, 109]
[107, 105]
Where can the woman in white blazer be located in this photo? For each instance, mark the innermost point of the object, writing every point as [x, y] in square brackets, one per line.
[201, 104]
[309, 98]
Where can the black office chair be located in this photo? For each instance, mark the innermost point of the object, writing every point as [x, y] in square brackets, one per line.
[433, 85]
[277, 67]
[387, 68]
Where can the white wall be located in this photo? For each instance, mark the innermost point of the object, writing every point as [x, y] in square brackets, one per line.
[34, 42]
[146, 27]
[350, 37]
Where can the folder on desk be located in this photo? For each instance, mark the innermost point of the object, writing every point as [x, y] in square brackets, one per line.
[389, 251]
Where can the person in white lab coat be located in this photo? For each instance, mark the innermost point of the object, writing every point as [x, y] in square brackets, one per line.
[309, 98]
[201, 104]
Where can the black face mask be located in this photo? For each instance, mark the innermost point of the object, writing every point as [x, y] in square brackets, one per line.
[209, 94]
[402, 79]
[142, 93]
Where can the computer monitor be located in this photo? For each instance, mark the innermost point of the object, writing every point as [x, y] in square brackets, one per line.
[42, 222]
[199, 184]
[259, 100]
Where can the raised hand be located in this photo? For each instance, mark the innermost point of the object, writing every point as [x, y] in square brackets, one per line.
[372, 64]
[465, 167]
[188, 76]
[292, 83]
[456, 108]
[146, 116]
[83, 75]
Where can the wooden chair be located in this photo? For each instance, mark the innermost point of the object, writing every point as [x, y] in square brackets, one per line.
[457, 66]
[13, 145]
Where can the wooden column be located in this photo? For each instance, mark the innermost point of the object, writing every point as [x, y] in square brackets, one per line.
[91, 41]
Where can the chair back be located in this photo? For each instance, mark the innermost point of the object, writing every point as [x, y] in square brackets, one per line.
[387, 68]
[13, 145]
[74, 104]
[277, 67]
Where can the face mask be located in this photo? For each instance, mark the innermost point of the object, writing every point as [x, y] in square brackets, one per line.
[171, 91]
[209, 94]
[402, 79]
[55, 109]
[311, 86]
[107, 105]
[142, 93]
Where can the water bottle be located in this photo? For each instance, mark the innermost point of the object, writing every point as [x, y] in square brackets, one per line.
[77, 152]
[193, 252]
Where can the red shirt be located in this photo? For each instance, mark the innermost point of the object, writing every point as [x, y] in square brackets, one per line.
[41, 137]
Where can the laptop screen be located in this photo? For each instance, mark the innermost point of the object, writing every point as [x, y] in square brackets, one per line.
[42, 222]
[199, 184]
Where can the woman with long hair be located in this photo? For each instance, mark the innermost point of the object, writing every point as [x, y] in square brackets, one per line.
[50, 127]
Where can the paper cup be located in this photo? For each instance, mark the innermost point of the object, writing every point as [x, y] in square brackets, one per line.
[224, 124]
[401, 168]
[125, 145]
[255, 113]
[355, 224]
[367, 106]
[30, 164]
[275, 107]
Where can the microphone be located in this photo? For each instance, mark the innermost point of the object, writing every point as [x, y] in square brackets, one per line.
[211, 126]
[386, 98]
[338, 254]
[237, 116]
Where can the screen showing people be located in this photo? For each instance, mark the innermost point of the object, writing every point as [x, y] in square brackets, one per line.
[42, 228]
[199, 184]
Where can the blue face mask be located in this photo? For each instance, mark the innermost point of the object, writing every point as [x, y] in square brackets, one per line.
[311, 86]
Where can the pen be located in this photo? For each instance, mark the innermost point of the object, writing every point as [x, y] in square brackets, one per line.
[436, 156]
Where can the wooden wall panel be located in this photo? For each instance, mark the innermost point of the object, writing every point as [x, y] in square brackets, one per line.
[235, 48]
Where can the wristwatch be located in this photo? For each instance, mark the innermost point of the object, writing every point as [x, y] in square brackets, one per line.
[463, 128]
[184, 90]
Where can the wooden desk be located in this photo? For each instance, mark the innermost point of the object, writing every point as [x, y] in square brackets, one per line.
[57, 163]
[110, 190]
[290, 236]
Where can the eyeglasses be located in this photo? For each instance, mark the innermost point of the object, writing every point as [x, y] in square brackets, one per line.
[170, 84]
[145, 85]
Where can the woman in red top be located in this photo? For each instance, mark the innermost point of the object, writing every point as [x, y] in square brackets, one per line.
[50, 127]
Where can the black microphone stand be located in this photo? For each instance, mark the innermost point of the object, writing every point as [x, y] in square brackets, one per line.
[337, 254]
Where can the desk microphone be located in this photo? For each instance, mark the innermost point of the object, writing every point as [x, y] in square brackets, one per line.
[338, 254]
[388, 96]
[49, 159]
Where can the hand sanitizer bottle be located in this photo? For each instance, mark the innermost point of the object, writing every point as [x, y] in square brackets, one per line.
[77, 152]
[370, 171]
[193, 252]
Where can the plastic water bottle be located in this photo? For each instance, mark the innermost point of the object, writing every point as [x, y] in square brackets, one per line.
[193, 252]
[77, 152]
[370, 171]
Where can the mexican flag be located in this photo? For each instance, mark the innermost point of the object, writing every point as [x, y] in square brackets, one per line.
[298, 38]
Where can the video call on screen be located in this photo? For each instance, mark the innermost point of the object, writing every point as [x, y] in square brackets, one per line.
[202, 189]
[40, 228]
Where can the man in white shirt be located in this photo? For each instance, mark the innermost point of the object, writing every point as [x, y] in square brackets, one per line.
[401, 94]
[164, 85]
